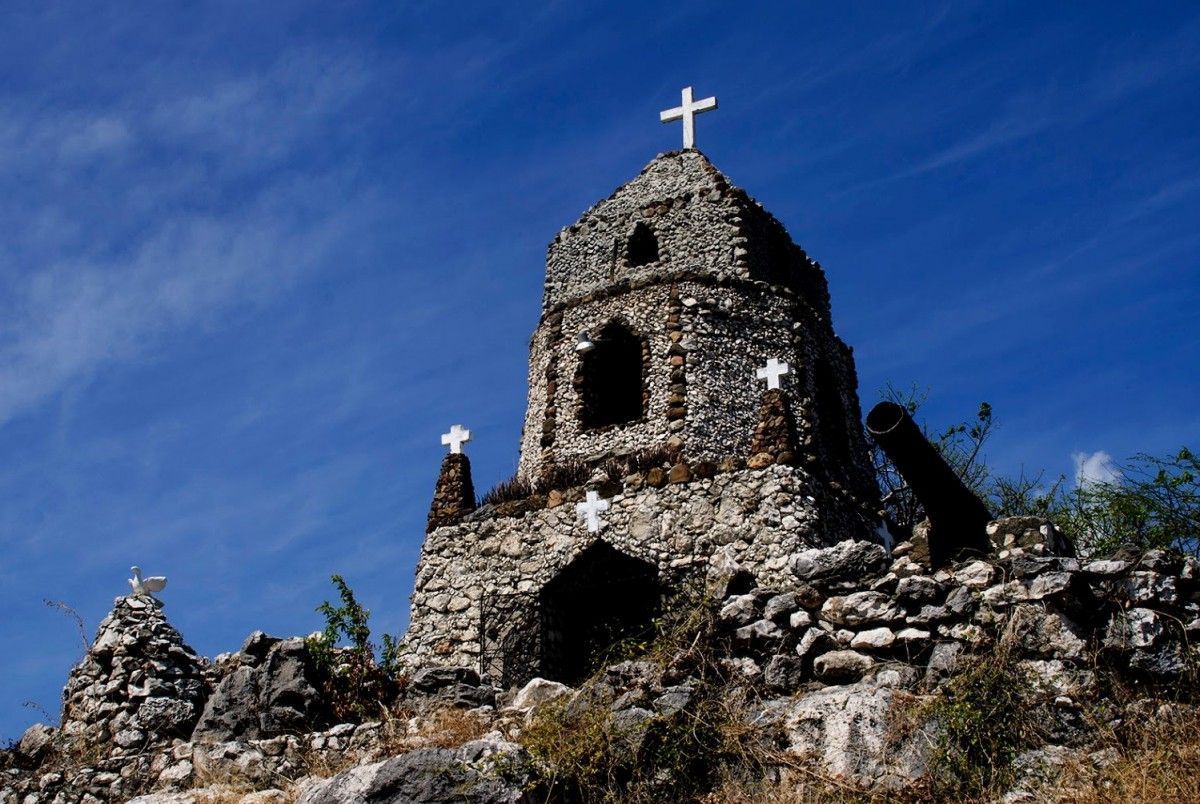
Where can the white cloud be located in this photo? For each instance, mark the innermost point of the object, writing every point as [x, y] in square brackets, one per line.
[1095, 468]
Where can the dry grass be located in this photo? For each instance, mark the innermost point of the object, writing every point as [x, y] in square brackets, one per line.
[1157, 760]
[450, 727]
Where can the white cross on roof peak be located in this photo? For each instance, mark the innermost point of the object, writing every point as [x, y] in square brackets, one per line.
[454, 439]
[687, 111]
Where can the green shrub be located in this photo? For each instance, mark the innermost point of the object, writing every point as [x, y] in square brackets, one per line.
[357, 686]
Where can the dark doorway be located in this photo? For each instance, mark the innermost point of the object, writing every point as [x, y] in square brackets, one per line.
[611, 379]
[598, 600]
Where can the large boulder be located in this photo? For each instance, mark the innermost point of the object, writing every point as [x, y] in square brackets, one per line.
[487, 771]
[849, 733]
[845, 561]
[275, 689]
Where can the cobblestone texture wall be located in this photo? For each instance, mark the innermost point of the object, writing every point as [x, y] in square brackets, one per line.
[758, 518]
[726, 291]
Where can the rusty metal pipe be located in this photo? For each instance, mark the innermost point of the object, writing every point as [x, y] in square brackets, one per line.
[958, 518]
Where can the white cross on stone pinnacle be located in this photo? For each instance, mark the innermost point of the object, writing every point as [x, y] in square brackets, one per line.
[772, 372]
[591, 511]
[687, 112]
[454, 439]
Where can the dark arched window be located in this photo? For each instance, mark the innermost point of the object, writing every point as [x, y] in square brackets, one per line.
[643, 246]
[611, 383]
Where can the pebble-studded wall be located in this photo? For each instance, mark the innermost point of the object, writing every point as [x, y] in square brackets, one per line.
[686, 286]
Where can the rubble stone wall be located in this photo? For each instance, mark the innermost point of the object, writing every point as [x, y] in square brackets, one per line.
[759, 518]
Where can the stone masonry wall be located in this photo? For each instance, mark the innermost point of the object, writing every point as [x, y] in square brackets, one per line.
[759, 518]
[722, 336]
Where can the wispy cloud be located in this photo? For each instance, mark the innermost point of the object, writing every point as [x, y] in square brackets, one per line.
[134, 251]
[1095, 468]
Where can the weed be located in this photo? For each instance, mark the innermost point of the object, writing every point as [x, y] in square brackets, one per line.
[563, 475]
[357, 686]
[69, 611]
[515, 488]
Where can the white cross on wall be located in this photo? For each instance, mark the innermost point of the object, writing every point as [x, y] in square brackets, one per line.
[687, 113]
[590, 510]
[454, 439]
[772, 372]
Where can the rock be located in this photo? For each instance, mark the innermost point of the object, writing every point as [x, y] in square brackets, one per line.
[138, 680]
[930, 615]
[861, 608]
[847, 731]
[913, 637]
[166, 716]
[726, 577]
[1106, 567]
[780, 607]
[943, 660]
[799, 620]
[739, 610]
[873, 639]
[761, 636]
[961, 602]
[815, 641]
[1148, 586]
[277, 694]
[1132, 629]
[674, 699]
[784, 673]
[917, 590]
[487, 771]
[1169, 562]
[539, 691]
[1030, 533]
[1048, 634]
[35, 742]
[742, 668]
[231, 711]
[841, 666]
[431, 680]
[847, 560]
[256, 647]
[975, 575]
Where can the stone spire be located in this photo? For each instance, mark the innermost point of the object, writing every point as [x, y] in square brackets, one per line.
[139, 684]
[454, 494]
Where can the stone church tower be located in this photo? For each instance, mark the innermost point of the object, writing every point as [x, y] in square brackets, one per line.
[661, 439]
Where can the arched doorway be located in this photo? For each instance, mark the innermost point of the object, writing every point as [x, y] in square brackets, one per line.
[598, 600]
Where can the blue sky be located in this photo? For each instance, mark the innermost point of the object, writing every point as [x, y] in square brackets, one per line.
[256, 257]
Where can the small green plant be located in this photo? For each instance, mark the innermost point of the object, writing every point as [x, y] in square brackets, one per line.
[357, 685]
[586, 753]
[984, 716]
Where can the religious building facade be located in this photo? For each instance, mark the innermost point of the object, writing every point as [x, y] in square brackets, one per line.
[689, 405]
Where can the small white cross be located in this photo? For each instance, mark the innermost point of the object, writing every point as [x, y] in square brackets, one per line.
[591, 511]
[454, 439]
[772, 372]
[687, 113]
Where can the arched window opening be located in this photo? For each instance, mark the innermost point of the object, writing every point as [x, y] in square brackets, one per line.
[643, 246]
[611, 382]
[599, 600]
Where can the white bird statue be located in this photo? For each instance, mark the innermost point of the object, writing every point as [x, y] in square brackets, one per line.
[146, 586]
